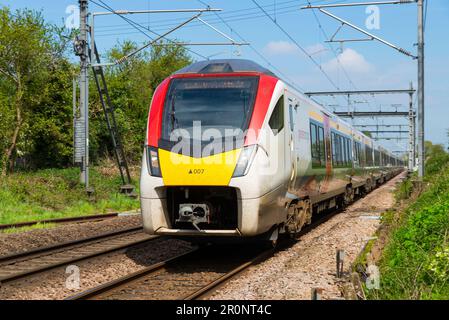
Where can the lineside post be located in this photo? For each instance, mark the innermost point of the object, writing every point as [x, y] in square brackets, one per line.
[421, 155]
[84, 90]
[411, 151]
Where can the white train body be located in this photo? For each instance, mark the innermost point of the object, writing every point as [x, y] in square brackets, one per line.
[293, 160]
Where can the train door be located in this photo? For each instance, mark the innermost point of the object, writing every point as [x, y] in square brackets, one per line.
[291, 142]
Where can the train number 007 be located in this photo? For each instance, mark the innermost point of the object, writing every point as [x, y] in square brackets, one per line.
[196, 171]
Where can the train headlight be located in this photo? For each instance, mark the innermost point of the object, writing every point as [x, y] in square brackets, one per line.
[245, 159]
[153, 162]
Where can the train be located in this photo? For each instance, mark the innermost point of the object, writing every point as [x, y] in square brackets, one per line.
[234, 152]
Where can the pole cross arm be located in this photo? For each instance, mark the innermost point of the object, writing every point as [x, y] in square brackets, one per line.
[372, 114]
[386, 131]
[359, 92]
[372, 36]
[401, 50]
[357, 4]
[155, 41]
[124, 58]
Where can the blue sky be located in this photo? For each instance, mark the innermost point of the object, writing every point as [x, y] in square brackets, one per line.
[360, 65]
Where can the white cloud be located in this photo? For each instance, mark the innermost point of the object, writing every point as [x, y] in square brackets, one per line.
[352, 62]
[316, 50]
[276, 48]
[280, 48]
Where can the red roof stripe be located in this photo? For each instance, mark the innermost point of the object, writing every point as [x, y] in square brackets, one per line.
[156, 110]
[263, 99]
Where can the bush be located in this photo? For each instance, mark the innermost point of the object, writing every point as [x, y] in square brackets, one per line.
[415, 262]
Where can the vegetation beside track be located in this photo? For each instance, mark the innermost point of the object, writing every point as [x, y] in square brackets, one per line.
[36, 105]
[56, 193]
[37, 177]
[415, 261]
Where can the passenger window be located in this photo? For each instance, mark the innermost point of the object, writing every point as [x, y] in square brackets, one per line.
[317, 145]
[292, 124]
[322, 146]
[276, 121]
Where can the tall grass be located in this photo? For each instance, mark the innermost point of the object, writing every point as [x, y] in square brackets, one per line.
[415, 263]
[56, 193]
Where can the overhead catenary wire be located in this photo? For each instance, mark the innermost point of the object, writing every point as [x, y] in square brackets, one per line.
[114, 30]
[286, 33]
[225, 15]
[257, 52]
[139, 26]
[334, 52]
[107, 30]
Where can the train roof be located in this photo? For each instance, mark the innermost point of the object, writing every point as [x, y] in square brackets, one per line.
[224, 66]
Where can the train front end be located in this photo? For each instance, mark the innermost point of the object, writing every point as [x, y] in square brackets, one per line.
[199, 171]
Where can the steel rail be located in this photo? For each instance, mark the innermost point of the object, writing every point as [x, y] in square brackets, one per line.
[59, 220]
[32, 256]
[113, 285]
[229, 275]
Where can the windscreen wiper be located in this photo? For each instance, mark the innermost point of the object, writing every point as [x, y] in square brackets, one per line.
[173, 118]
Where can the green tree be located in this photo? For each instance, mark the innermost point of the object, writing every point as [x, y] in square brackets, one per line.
[435, 157]
[30, 52]
[36, 93]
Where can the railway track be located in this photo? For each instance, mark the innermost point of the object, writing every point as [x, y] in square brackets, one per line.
[192, 275]
[88, 218]
[183, 277]
[24, 264]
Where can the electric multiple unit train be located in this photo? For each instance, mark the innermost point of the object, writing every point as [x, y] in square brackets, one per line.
[233, 151]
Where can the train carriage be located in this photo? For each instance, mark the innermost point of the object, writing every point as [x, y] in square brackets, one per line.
[233, 151]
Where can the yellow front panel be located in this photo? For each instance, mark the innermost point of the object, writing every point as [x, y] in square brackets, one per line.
[181, 170]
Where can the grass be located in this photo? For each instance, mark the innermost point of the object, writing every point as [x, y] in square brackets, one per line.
[415, 262]
[56, 193]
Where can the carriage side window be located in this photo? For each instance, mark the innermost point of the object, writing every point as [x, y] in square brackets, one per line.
[276, 121]
[334, 149]
[350, 152]
[321, 145]
[290, 113]
[341, 151]
[317, 145]
[348, 162]
[340, 155]
[343, 147]
[369, 156]
[347, 152]
[358, 153]
[376, 158]
[313, 143]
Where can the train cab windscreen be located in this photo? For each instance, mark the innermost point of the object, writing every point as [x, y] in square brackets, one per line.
[194, 105]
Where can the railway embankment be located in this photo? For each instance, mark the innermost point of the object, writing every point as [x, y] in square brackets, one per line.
[412, 250]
